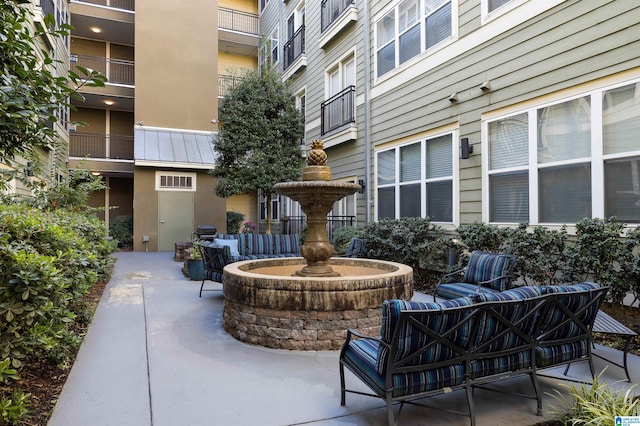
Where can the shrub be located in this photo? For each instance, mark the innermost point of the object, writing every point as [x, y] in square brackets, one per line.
[342, 238]
[234, 220]
[600, 253]
[412, 241]
[121, 229]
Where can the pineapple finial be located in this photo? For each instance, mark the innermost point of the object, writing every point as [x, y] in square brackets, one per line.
[317, 156]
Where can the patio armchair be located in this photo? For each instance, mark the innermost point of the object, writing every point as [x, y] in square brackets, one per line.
[214, 259]
[356, 248]
[484, 273]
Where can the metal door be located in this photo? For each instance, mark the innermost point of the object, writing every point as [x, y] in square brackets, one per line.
[175, 218]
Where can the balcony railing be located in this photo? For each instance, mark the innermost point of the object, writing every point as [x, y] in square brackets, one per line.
[235, 20]
[331, 11]
[116, 4]
[117, 71]
[294, 48]
[226, 83]
[97, 145]
[295, 224]
[338, 110]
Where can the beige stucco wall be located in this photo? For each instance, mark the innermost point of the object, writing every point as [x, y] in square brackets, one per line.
[235, 64]
[247, 204]
[176, 64]
[145, 217]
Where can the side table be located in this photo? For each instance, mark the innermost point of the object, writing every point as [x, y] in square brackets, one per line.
[606, 325]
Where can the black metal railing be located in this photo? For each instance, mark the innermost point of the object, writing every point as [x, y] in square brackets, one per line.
[331, 11]
[98, 145]
[236, 20]
[117, 71]
[295, 224]
[294, 48]
[116, 4]
[226, 83]
[338, 110]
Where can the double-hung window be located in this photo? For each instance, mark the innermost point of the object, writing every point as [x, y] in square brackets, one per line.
[410, 28]
[416, 180]
[562, 162]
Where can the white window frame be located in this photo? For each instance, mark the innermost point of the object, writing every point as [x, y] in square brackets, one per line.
[161, 174]
[488, 16]
[299, 95]
[454, 177]
[275, 208]
[339, 66]
[395, 8]
[596, 159]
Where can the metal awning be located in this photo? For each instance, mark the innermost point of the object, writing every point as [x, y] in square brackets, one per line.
[159, 147]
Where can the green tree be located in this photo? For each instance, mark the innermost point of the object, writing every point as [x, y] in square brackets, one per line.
[260, 135]
[31, 90]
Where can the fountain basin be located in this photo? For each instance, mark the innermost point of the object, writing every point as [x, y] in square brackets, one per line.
[265, 305]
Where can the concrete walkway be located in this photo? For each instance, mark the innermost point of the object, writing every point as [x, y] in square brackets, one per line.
[156, 354]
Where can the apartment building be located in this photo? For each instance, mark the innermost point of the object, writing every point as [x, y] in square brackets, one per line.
[150, 131]
[501, 111]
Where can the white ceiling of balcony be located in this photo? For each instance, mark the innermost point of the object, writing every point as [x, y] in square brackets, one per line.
[117, 25]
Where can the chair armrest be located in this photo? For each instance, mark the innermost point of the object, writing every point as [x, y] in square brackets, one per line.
[444, 278]
[493, 279]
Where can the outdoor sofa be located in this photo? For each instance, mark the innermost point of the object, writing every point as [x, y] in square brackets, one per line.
[433, 348]
[229, 248]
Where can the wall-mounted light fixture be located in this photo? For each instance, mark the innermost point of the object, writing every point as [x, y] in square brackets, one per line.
[362, 186]
[453, 98]
[486, 86]
[465, 148]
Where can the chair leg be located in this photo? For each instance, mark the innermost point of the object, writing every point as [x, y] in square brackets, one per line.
[390, 416]
[201, 287]
[534, 380]
[343, 390]
[472, 412]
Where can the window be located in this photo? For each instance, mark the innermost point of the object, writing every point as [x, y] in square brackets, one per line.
[270, 50]
[556, 164]
[339, 108]
[416, 180]
[275, 205]
[494, 4]
[175, 181]
[411, 27]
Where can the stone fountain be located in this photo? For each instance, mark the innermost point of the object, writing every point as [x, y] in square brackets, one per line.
[307, 303]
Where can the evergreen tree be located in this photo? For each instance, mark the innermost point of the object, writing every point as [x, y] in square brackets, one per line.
[260, 134]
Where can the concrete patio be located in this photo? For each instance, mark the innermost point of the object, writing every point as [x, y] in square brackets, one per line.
[156, 354]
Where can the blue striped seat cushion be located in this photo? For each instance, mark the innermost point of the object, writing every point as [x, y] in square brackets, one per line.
[410, 338]
[517, 293]
[285, 244]
[486, 266]
[360, 356]
[551, 355]
[242, 241]
[502, 364]
[454, 290]
[555, 317]
[259, 244]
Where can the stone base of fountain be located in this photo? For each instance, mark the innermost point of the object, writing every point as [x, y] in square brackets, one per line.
[265, 305]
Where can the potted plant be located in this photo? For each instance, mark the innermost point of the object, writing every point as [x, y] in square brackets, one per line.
[193, 265]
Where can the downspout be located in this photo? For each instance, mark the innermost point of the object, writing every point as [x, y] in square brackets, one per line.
[367, 110]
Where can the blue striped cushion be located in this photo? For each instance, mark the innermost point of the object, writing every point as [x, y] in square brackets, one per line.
[454, 290]
[242, 241]
[508, 363]
[569, 288]
[517, 293]
[410, 338]
[356, 248]
[259, 244]
[283, 244]
[486, 266]
[494, 334]
[554, 317]
[551, 355]
[360, 355]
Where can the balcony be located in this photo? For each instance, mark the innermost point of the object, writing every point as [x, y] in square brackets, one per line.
[338, 117]
[117, 71]
[336, 15]
[238, 32]
[100, 146]
[294, 56]
[115, 4]
[226, 83]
